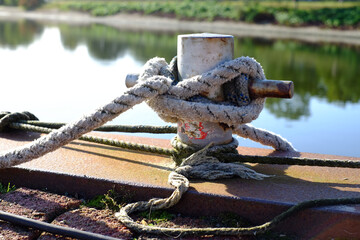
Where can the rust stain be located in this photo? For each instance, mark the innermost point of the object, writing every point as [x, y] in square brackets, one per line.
[271, 88]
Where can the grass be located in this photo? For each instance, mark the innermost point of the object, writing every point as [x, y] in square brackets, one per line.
[328, 14]
[157, 217]
[310, 5]
[305, 5]
[111, 200]
[6, 188]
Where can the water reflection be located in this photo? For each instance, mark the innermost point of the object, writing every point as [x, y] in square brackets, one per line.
[298, 106]
[21, 33]
[326, 71]
[322, 70]
[318, 70]
[106, 43]
[324, 75]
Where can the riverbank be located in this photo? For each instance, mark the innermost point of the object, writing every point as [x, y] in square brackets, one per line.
[162, 24]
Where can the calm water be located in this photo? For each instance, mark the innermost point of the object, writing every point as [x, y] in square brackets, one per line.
[61, 72]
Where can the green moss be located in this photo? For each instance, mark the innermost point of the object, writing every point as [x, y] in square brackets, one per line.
[6, 188]
[111, 200]
[157, 217]
[96, 202]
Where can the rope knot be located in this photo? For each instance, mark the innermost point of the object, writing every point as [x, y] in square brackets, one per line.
[183, 100]
[6, 118]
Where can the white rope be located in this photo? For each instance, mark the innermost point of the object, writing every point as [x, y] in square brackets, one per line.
[173, 105]
[264, 137]
[148, 89]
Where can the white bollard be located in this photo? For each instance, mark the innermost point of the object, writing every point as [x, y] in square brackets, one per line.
[199, 53]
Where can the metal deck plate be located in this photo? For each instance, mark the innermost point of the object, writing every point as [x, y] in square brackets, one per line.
[88, 169]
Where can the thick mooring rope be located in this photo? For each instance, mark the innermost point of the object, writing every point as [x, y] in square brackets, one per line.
[171, 102]
[147, 89]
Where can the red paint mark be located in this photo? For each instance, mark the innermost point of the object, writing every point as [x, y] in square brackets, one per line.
[194, 130]
[202, 133]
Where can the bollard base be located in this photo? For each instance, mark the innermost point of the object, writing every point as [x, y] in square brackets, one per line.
[202, 133]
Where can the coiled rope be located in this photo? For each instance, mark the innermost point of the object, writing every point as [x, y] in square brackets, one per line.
[170, 102]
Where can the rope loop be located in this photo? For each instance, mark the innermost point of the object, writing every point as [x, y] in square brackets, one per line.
[7, 118]
[184, 99]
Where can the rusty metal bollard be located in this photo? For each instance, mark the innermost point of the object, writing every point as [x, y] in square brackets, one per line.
[199, 53]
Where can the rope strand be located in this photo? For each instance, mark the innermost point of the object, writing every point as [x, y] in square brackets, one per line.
[123, 217]
[101, 140]
[111, 128]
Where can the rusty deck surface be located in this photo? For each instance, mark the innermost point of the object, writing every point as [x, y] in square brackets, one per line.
[148, 174]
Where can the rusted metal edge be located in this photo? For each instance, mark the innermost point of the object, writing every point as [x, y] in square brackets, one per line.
[316, 223]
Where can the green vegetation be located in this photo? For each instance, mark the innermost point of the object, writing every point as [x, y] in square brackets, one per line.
[107, 43]
[331, 17]
[180, 9]
[21, 33]
[6, 188]
[27, 4]
[111, 200]
[329, 14]
[114, 201]
[322, 13]
[9, 2]
[157, 217]
[30, 4]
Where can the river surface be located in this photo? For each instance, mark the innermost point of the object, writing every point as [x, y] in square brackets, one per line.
[60, 72]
